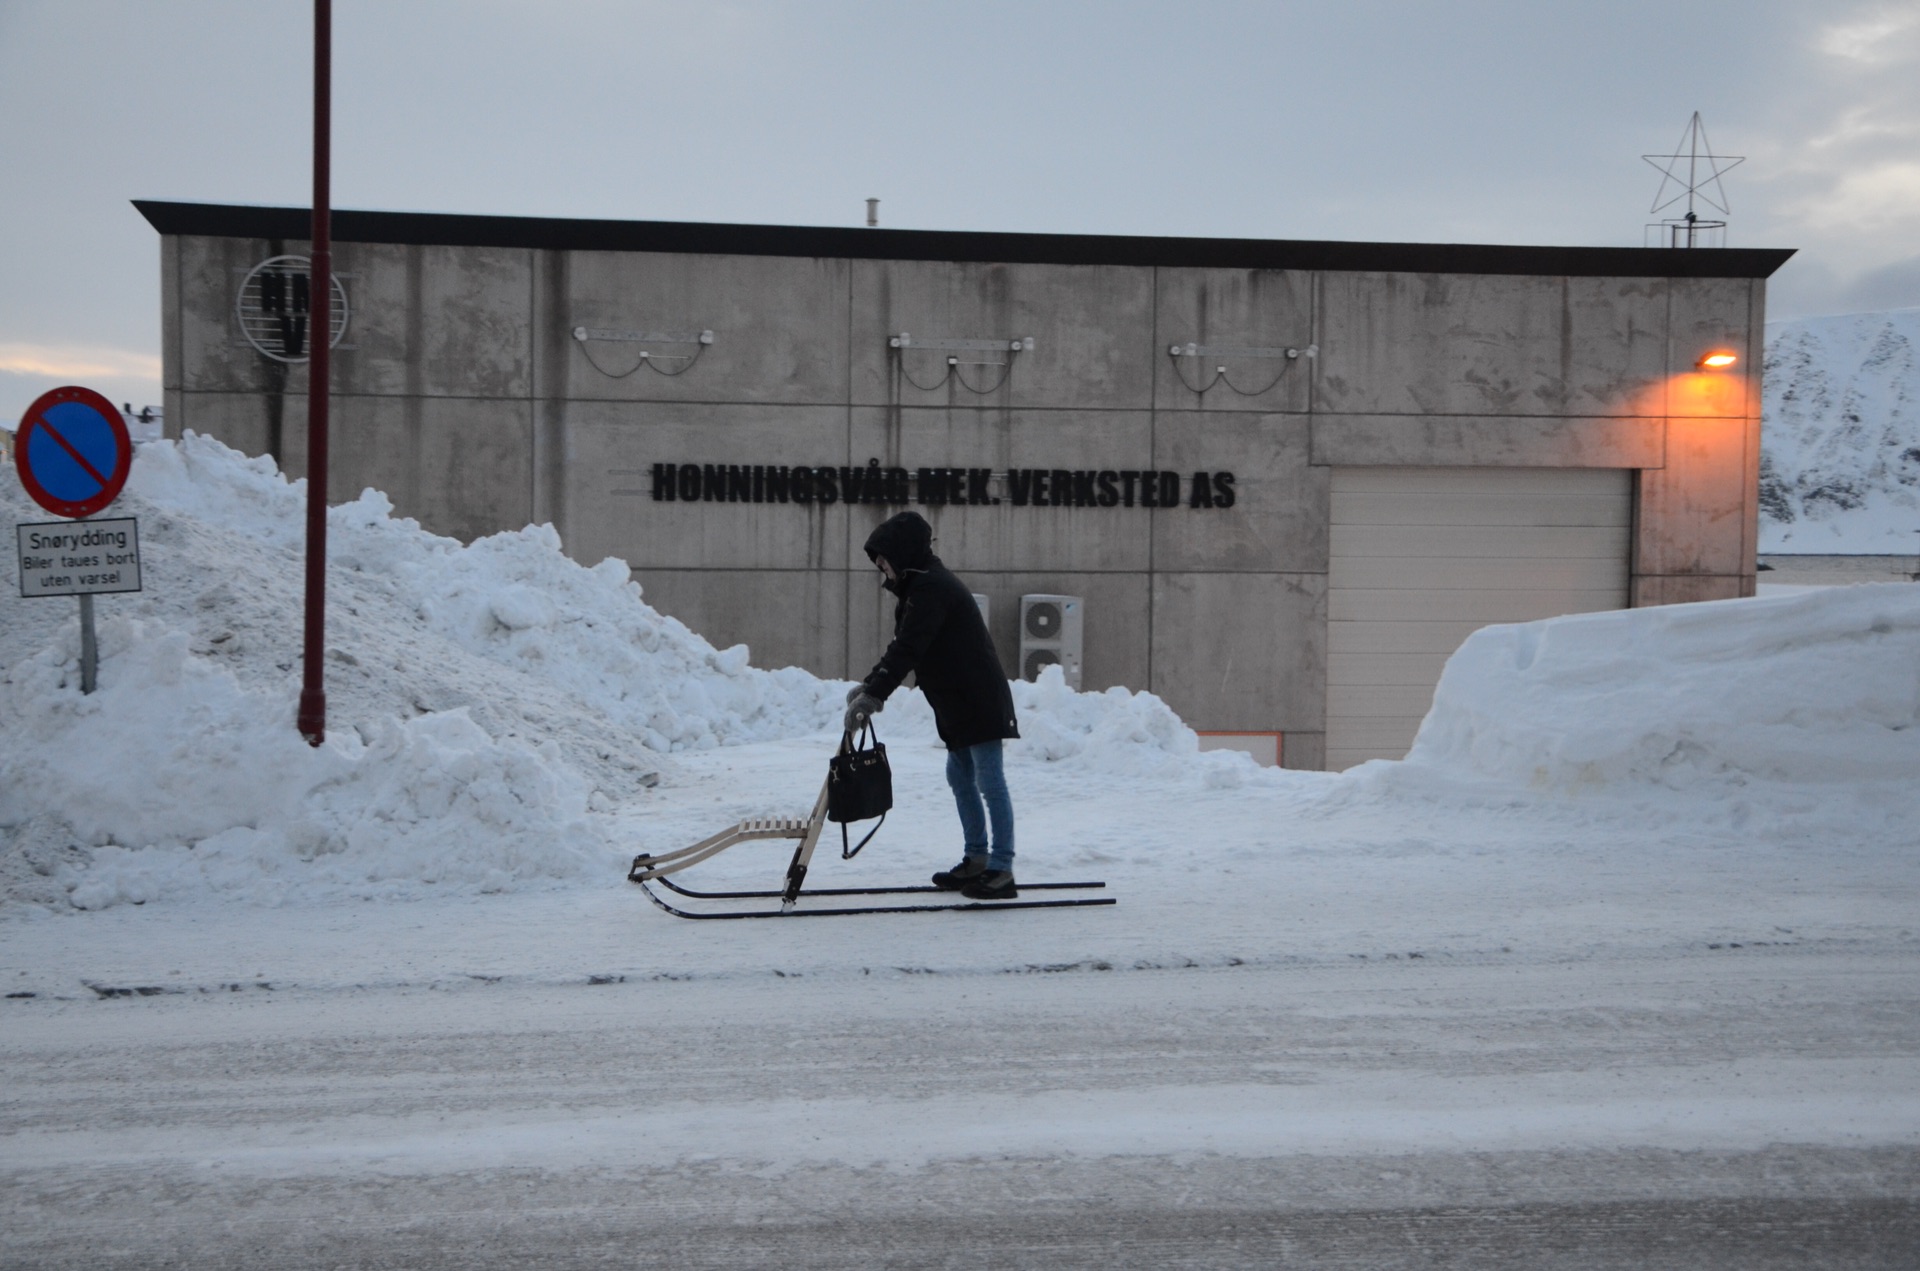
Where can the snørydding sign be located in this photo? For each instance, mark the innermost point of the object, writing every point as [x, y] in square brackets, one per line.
[940, 487]
[79, 558]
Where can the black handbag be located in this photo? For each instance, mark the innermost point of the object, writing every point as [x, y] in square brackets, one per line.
[859, 786]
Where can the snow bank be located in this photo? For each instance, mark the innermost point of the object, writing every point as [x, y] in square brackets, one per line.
[1840, 449]
[493, 708]
[1810, 701]
[513, 599]
[1118, 733]
[183, 782]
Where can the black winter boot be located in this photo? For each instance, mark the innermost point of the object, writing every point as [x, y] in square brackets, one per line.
[960, 875]
[994, 884]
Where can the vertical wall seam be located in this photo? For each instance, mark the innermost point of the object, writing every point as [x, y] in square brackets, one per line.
[1755, 436]
[533, 388]
[846, 575]
[1153, 441]
[1314, 338]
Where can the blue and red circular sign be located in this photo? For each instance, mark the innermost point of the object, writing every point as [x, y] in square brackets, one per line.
[73, 451]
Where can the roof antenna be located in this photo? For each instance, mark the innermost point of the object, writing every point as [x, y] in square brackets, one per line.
[873, 213]
[1695, 171]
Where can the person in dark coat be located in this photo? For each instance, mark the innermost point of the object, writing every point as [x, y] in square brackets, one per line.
[939, 636]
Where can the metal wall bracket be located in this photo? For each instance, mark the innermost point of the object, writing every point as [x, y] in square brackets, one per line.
[693, 342]
[1015, 345]
[1229, 350]
[953, 348]
[583, 334]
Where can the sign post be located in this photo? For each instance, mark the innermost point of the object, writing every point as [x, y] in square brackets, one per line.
[73, 455]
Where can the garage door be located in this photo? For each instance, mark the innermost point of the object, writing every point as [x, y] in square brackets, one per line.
[1422, 557]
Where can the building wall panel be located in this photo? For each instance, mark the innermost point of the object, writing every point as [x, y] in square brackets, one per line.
[1233, 308]
[1488, 344]
[1092, 327]
[779, 327]
[1488, 441]
[1278, 521]
[785, 617]
[612, 511]
[1241, 651]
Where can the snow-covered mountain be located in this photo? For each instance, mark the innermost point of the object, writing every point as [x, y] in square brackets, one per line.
[1840, 442]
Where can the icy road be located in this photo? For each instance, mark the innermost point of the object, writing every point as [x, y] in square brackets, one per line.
[1745, 1108]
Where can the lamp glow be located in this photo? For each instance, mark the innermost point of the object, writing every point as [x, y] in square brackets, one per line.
[1718, 360]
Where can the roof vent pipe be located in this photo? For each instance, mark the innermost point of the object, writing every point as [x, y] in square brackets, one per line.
[873, 213]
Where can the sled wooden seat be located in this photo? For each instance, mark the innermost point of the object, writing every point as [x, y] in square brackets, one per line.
[807, 830]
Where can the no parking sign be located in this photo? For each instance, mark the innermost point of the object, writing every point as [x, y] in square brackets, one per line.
[73, 455]
[73, 452]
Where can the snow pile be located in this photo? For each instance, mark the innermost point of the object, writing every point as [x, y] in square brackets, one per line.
[494, 710]
[183, 781]
[513, 599]
[1840, 452]
[1808, 700]
[1116, 731]
[188, 783]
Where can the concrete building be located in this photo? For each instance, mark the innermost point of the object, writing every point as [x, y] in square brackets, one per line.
[1286, 478]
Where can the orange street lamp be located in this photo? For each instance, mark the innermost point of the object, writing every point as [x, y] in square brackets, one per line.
[1718, 360]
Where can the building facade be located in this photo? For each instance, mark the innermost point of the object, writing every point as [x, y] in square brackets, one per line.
[1285, 478]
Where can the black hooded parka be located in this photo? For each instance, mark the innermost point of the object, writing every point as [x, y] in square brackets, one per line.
[938, 635]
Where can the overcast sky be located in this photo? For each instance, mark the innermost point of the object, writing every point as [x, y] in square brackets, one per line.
[1493, 121]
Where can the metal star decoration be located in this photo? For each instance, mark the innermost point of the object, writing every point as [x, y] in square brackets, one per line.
[1695, 169]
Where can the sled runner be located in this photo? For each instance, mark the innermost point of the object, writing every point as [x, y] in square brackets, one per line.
[648, 868]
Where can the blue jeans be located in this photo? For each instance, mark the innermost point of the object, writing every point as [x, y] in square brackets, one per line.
[980, 792]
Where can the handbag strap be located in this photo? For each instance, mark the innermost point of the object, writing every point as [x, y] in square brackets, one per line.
[848, 853]
[850, 740]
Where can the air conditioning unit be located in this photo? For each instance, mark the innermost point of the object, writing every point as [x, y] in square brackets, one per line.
[1051, 632]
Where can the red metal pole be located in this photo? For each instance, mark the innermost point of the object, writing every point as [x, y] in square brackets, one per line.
[313, 689]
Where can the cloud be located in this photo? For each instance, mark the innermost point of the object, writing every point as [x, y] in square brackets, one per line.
[1884, 194]
[1864, 126]
[1841, 170]
[1876, 38]
[70, 361]
[1895, 286]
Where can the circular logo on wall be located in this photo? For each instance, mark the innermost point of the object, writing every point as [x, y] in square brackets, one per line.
[275, 305]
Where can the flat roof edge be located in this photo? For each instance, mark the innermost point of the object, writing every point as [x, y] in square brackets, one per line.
[216, 220]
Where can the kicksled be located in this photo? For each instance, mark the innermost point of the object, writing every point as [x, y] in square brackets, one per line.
[850, 774]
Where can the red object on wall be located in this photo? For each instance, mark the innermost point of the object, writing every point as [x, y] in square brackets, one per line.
[313, 689]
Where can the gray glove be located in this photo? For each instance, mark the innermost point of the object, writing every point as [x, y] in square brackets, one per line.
[861, 706]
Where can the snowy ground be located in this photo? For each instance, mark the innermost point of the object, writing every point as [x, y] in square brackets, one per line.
[1620, 968]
